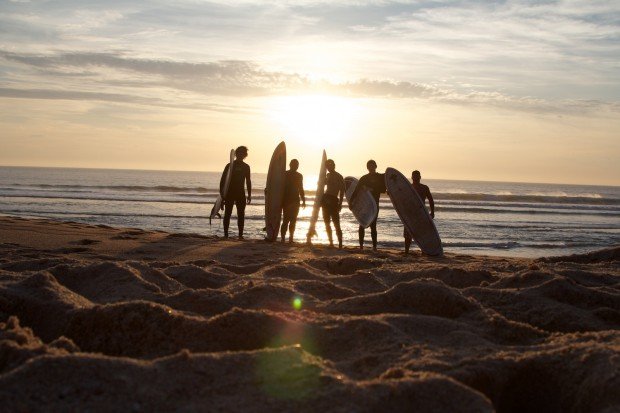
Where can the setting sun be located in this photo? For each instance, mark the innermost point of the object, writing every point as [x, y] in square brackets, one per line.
[315, 119]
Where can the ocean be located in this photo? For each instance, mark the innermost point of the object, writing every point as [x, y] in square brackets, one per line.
[493, 218]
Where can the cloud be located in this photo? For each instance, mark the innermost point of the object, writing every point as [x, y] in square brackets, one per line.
[153, 82]
[521, 47]
[51, 94]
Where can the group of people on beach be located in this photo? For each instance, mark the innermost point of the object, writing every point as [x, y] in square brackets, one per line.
[294, 197]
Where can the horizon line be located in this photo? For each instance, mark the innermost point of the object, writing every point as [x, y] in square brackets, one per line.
[264, 173]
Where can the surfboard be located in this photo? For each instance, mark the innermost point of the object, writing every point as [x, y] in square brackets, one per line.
[274, 192]
[412, 212]
[215, 211]
[363, 207]
[318, 197]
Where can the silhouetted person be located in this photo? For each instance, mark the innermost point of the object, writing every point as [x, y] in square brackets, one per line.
[375, 182]
[236, 191]
[425, 193]
[293, 192]
[331, 203]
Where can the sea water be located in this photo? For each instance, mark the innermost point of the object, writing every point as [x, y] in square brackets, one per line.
[497, 218]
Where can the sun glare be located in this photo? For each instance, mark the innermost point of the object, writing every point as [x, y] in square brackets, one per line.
[315, 119]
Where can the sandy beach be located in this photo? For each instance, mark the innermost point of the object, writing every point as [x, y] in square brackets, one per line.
[96, 318]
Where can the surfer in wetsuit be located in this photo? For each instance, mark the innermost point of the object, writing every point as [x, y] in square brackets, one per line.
[375, 183]
[425, 193]
[331, 204]
[236, 191]
[293, 192]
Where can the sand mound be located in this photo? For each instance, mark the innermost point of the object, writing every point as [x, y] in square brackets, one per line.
[456, 277]
[270, 297]
[245, 269]
[203, 302]
[36, 265]
[346, 265]
[193, 276]
[111, 282]
[290, 272]
[147, 330]
[193, 324]
[361, 282]
[570, 377]
[556, 304]
[428, 297]
[605, 255]
[41, 303]
[322, 290]
[270, 380]
[19, 344]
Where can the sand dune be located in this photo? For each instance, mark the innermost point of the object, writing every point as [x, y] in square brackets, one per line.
[95, 318]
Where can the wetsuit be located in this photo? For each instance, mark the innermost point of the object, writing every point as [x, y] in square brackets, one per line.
[425, 193]
[375, 182]
[331, 203]
[293, 192]
[236, 194]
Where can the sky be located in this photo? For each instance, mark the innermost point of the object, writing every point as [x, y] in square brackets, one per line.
[522, 91]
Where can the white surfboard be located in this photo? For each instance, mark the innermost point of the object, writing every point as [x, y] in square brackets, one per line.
[274, 192]
[364, 207]
[318, 198]
[412, 212]
[215, 211]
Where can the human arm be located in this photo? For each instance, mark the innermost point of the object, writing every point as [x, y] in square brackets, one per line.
[341, 192]
[248, 182]
[223, 181]
[431, 202]
[302, 193]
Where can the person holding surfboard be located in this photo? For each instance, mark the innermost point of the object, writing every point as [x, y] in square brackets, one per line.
[425, 193]
[375, 183]
[332, 201]
[293, 193]
[236, 190]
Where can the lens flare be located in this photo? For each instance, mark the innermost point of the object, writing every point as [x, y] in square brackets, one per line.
[297, 303]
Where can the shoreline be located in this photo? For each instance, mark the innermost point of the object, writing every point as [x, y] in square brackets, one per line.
[96, 317]
[348, 247]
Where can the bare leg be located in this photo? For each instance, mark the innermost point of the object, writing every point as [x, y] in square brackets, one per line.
[291, 226]
[361, 232]
[291, 230]
[407, 241]
[328, 227]
[373, 234]
[284, 226]
[336, 219]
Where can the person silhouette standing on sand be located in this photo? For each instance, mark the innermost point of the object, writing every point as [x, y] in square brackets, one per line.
[331, 204]
[293, 192]
[375, 182]
[425, 193]
[236, 191]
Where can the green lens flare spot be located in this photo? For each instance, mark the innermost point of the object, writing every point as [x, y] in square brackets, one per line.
[297, 303]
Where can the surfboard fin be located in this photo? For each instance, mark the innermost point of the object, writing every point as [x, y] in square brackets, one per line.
[311, 233]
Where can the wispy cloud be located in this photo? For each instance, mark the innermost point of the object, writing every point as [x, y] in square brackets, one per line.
[552, 56]
[141, 79]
